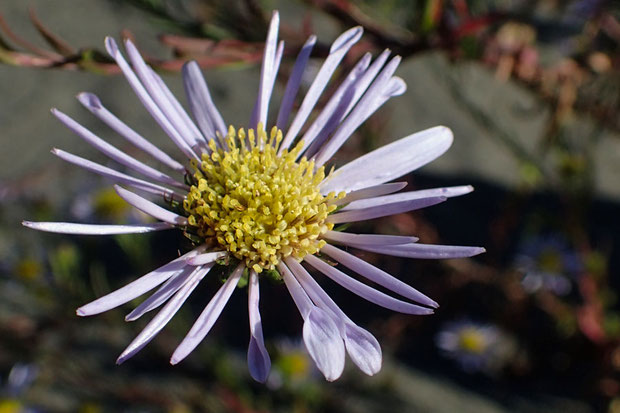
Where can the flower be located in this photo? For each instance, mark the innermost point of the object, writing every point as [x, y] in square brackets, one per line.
[475, 346]
[259, 200]
[548, 262]
[292, 367]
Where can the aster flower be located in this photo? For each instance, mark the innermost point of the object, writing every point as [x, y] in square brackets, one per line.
[259, 200]
[549, 263]
[475, 346]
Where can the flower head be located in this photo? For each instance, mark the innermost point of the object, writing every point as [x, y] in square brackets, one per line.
[475, 346]
[259, 200]
[548, 262]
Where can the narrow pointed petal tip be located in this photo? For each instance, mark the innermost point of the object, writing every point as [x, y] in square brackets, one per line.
[121, 359]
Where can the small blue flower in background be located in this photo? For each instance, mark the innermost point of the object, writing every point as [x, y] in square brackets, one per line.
[548, 263]
[477, 347]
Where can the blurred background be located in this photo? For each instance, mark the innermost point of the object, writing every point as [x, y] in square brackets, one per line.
[531, 89]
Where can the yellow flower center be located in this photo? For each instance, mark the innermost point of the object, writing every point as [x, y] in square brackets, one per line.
[472, 341]
[259, 206]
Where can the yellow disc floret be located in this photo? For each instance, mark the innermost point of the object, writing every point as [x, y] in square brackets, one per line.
[259, 206]
[472, 341]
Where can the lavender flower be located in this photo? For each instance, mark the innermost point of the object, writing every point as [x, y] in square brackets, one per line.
[475, 346]
[548, 263]
[260, 200]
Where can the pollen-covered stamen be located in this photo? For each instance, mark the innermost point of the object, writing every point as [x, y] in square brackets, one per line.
[259, 206]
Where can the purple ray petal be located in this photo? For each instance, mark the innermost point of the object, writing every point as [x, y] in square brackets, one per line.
[337, 52]
[324, 344]
[148, 102]
[370, 192]
[208, 317]
[390, 161]
[424, 251]
[394, 87]
[352, 97]
[165, 314]
[259, 362]
[447, 192]
[206, 114]
[150, 208]
[367, 239]
[337, 100]
[92, 229]
[383, 210]
[367, 79]
[202, 259]
[315, 292]
[365, 291]
[180, 110]
[294, 80]
[321, 334]
[114, 153]
[267, 74]
[376, 275]
[117, 176]
[136, 288]
[301, 299]
[327, 127]
[363, 348]
[364, 108]
[170, 287]
[93, 104]
[158, 95]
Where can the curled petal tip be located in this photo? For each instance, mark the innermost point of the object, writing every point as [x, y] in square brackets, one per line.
[350, 36]
[80, 312]
[111, 46]
[89, 100]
